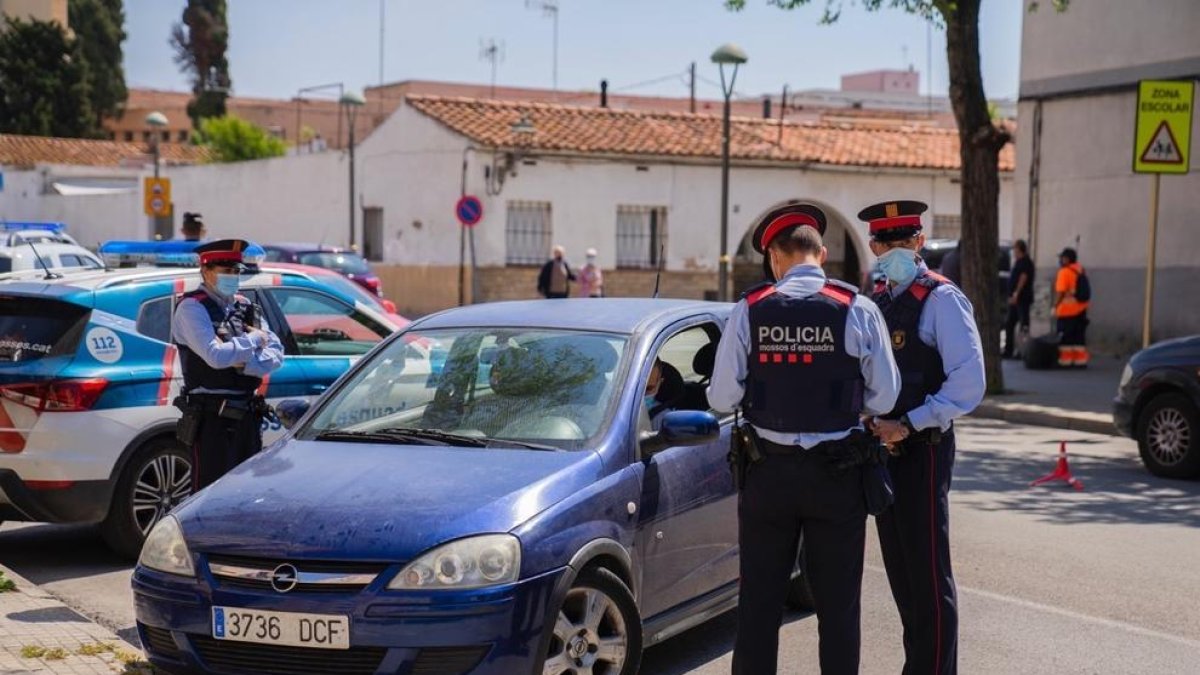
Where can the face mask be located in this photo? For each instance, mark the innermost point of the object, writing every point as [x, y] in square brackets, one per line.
[649, 401]
[591, 259]
[227, 284]
[899, 265]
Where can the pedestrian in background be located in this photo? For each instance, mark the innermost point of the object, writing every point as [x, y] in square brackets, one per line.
[554, 280]
[591, 278]
[193, 227]
[1020, 297]
[937, 348]
[1072, 293]
[804, 359]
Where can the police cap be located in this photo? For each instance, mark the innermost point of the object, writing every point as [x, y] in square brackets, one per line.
[892, 221]
[223, 252]
[790, 215]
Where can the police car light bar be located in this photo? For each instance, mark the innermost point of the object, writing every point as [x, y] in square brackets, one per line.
[165, 253]
[14, 226]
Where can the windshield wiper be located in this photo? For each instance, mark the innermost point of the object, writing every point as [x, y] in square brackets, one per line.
[401, 434]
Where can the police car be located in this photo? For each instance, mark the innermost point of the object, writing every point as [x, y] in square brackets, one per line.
[88, 375]
[44, 246]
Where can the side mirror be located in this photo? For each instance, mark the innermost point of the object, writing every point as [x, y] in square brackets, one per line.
[681, 427]
[291, 410]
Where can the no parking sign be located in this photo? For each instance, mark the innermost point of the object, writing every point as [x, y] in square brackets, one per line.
[469, 210]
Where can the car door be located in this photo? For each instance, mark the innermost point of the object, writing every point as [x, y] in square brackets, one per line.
[322, 335]
[687, 531]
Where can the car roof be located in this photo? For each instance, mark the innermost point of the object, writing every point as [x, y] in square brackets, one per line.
[97, 279]
[308, 248]
[44, 247]
[613, 315]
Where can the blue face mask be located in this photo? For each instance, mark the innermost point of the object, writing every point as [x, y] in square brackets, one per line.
[649, 401]
[899, 265]
[227, 284]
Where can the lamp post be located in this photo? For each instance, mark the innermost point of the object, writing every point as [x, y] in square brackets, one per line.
[351, 101]
[730, 54]
[156, 121]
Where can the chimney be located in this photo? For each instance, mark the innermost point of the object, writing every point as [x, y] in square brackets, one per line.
[766, 107]
[603, 93]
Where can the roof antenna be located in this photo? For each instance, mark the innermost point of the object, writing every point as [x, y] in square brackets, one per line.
[658, 273]
[49, 274]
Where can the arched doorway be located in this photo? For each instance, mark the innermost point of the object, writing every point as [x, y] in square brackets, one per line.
[846, 250]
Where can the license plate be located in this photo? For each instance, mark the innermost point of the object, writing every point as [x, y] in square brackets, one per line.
[320, 631]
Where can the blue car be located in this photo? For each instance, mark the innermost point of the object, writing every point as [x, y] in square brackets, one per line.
[88, 376]
[512, 510]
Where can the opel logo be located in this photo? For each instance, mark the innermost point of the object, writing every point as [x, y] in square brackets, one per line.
[285, 577]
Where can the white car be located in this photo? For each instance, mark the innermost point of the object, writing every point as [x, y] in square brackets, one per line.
[45, 246]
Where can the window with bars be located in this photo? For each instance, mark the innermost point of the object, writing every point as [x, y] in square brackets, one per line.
[947, 226]
[641, 236]
[528, 230]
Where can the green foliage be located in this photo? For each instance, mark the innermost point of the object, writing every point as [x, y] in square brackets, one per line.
[200, 43]
[98, 27]
[43, 82]
[232, 139]
[927, 9]
[6, 584]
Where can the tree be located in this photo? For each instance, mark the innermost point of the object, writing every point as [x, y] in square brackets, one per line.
[99, 27]
[43, 81]
[232, 139]
[980, 141]
[200, 43]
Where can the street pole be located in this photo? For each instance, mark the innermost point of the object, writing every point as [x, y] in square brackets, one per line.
[723, 261]
[1148, 309]
[350, 119]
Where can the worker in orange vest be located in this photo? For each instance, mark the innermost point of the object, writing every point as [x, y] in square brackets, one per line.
[1072, 293]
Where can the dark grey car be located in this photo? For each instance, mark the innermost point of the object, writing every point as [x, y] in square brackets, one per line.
[1158, 404]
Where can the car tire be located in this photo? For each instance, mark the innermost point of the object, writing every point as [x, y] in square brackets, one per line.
[155, 479]
[607, 643]
[1168, 436]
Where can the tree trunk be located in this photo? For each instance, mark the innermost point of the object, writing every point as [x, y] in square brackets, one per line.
[980, 142]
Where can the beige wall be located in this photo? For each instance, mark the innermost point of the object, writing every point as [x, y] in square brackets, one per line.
[41, 10]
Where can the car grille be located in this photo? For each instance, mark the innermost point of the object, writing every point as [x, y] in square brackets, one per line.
[236, 658]
[316, 576]
[447, 660]
[159, 641]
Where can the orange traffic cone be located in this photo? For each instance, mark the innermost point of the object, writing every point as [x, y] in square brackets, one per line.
[1061, 471]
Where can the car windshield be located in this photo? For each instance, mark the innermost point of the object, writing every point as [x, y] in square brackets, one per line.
[346, 263]
[501, 386]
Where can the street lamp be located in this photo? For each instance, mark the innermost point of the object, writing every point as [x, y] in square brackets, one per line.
[155, 121]
[351, 101]
[730, 54]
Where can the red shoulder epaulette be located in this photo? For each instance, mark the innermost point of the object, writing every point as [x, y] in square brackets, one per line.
[761, 293]
[841, 295]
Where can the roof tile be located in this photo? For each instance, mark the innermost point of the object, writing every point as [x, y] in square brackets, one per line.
[27, 151]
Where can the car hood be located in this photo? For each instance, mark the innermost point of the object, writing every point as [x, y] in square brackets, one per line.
[366, 502]
[1184, 351]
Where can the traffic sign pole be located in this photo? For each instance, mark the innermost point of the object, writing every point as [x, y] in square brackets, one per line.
[1152, 246]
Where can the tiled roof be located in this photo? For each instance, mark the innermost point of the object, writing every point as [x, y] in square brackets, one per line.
[593, 130]
[27, 151]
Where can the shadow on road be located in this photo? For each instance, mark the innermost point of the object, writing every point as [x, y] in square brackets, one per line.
[701, 645]
[48, 553]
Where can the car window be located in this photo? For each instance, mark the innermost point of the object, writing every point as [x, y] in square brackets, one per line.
[346, 263]
[33, 328]
[681, 388]
[154, 319]
[535, 385]
[274, 255]
[324, 326]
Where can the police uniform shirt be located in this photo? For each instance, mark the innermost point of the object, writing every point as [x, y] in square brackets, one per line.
[866, 340]
[192, 326]
[947, 324]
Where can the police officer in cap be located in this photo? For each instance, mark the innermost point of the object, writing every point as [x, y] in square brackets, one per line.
[936, 343]
[803, 358]
[226, 349]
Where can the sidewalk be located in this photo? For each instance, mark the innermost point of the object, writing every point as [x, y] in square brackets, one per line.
[1067, 399]
[39, 634]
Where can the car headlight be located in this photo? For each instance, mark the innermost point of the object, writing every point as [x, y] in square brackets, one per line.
[486, 560]
[166, 551]
[1126, 376]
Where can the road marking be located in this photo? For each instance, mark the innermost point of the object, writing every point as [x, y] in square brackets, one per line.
[1037, 606]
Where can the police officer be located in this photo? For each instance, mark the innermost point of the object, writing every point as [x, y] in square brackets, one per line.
[225, 350]
[803, 358]
[936, 343]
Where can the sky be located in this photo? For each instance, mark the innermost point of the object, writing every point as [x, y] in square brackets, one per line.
[639, 46]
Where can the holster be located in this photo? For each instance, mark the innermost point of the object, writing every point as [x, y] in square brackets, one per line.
[188, 427]
[744, 451]
[864, 452]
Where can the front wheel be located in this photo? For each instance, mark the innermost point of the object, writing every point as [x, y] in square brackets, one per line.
[155, 480]
[1168, 434]
[597, 630]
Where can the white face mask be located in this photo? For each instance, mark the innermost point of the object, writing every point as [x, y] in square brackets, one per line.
[227, 284]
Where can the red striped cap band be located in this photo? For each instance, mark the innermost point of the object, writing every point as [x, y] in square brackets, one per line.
[881, 224]
[783, 222]
[220, 256]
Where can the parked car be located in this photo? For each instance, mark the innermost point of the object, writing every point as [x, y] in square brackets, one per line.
[41, 246]
[333, 279]
[509, 511]
[1158, 404]
[341, 260]
[87, 377]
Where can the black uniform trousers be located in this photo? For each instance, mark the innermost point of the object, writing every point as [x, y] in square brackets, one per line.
[1018, 314]
[223, 443]
[786, 495]
[914, 537]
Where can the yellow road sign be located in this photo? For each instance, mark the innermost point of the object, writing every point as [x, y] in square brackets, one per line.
[1162, 140]
[156, 197]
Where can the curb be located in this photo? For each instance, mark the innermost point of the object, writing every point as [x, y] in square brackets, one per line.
[26, 586]
[1044, 416]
